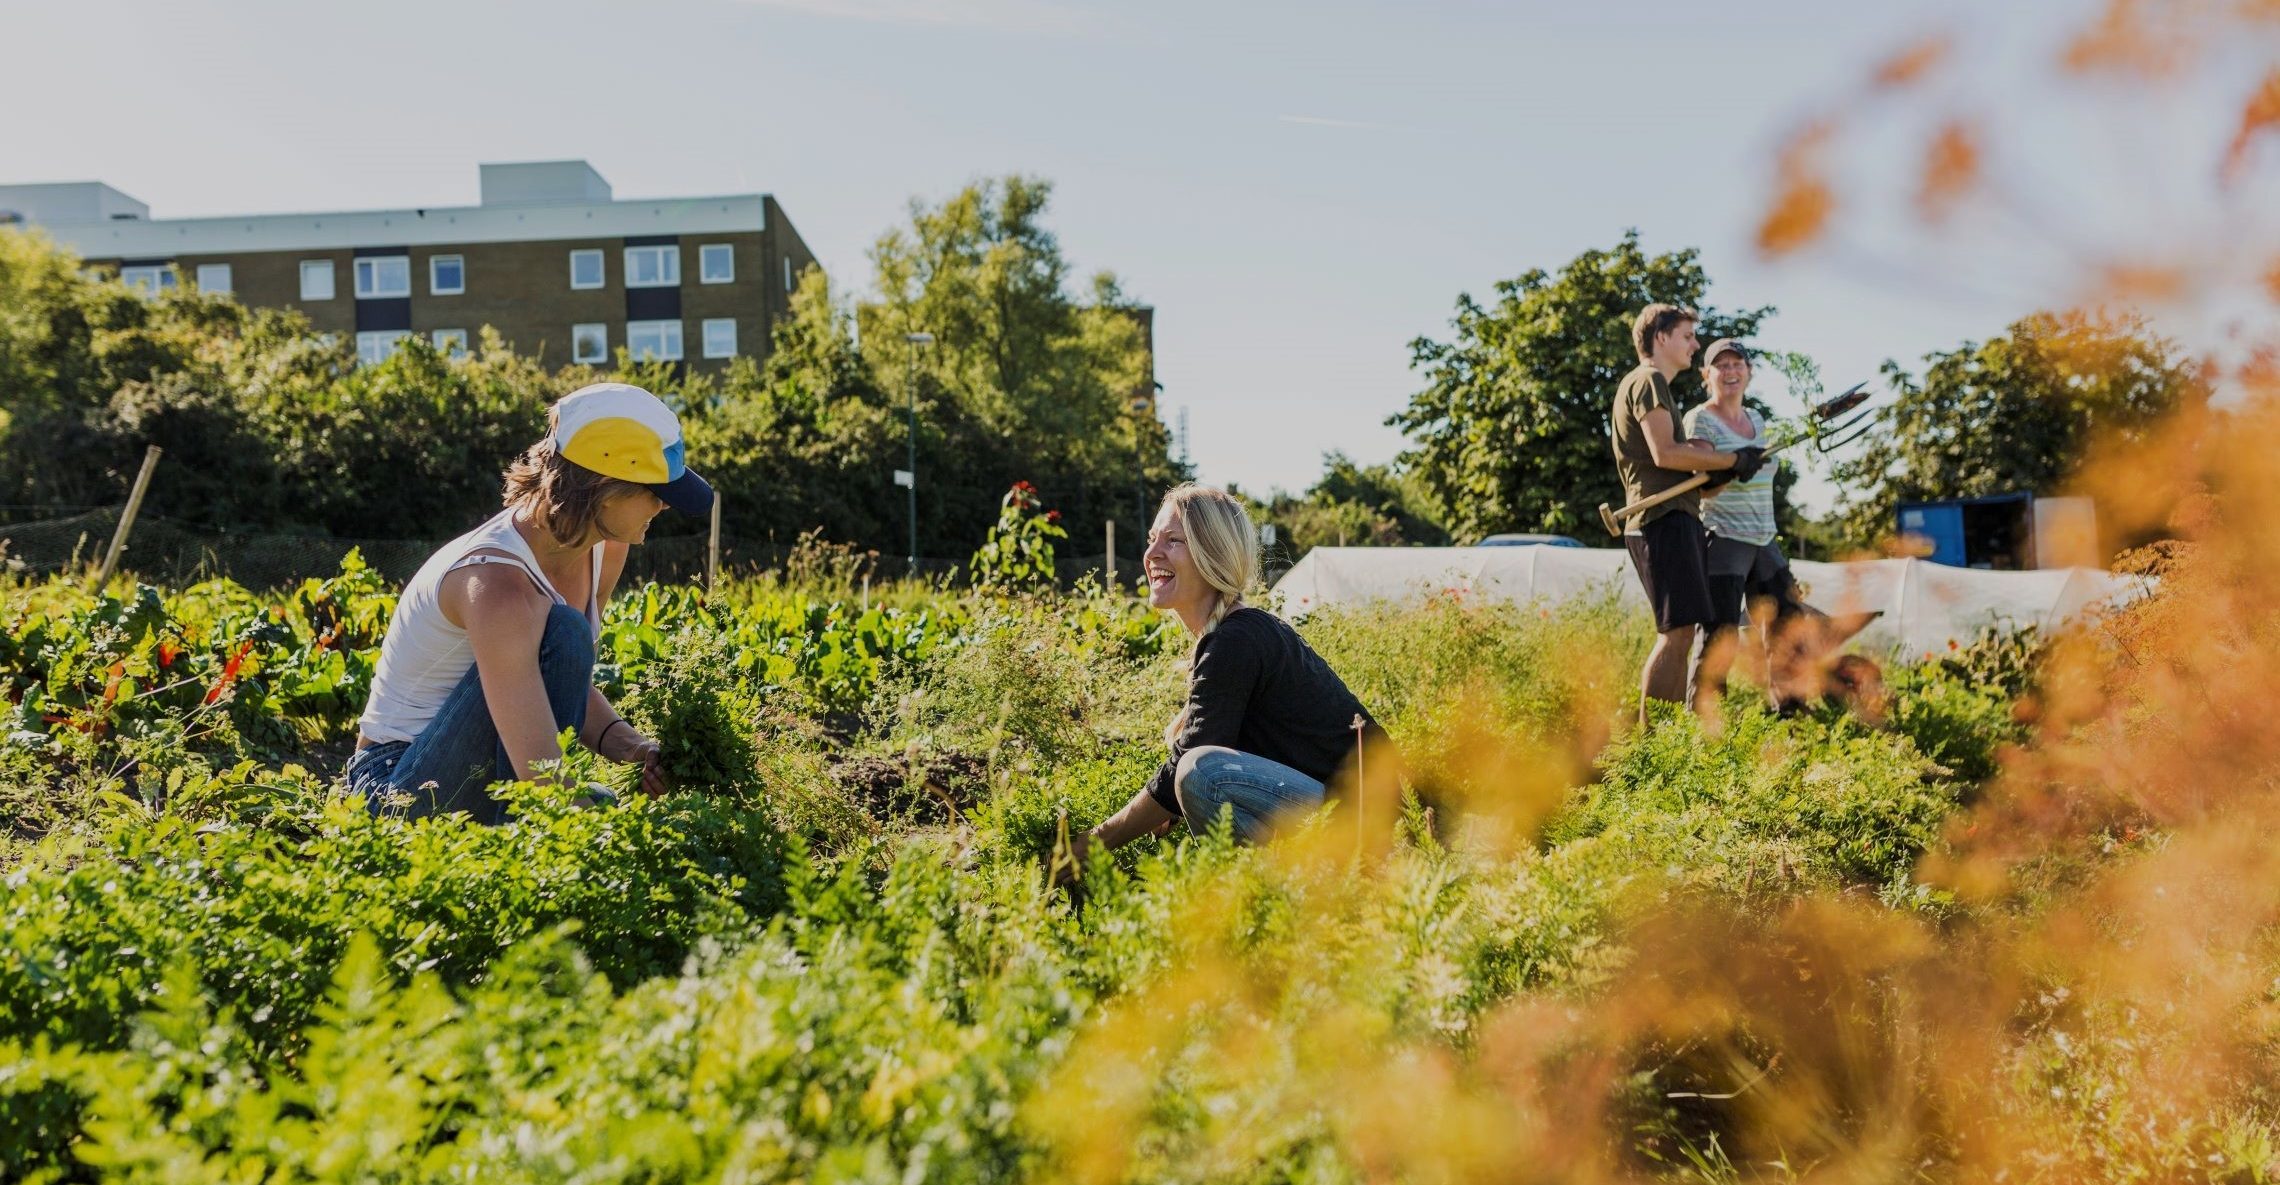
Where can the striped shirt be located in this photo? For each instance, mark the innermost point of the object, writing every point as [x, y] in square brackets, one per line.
[1741, 510]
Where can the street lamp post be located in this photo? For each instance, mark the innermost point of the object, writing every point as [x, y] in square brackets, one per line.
[910, 383]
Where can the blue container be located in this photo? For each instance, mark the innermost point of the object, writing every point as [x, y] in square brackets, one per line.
[1992, 532]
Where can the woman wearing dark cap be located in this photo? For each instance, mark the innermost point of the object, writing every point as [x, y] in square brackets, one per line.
[490, 653]
[1745, 559]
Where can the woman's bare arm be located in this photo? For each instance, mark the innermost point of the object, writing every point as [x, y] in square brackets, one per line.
[505, 618]
[1139, 817]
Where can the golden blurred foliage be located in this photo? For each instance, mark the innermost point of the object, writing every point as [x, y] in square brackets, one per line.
[2101, 1002]
[1951, 166]
[1804, 200]
[2133, 37]
[1913, 63]
[2259, 116]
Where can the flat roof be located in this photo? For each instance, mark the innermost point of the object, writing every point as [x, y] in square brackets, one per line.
[154, 238]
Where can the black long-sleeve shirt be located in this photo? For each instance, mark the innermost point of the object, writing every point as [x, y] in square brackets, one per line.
[1257, 687]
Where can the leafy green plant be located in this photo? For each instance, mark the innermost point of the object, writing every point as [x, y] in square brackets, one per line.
[689, 702]
[1018, 553]
[1845, 801]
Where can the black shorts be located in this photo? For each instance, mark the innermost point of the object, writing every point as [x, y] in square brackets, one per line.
[1671, 555]
[1740, 572]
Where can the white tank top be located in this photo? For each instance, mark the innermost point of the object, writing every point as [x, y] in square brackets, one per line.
[424, 656]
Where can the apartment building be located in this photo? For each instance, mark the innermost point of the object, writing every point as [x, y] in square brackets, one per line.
[550, 258]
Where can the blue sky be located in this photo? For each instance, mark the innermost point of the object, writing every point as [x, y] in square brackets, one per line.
[1299, 189]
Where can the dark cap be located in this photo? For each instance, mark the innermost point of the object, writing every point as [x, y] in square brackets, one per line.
[1722, 345]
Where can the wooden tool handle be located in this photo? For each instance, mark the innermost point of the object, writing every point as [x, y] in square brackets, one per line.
[1613, 519]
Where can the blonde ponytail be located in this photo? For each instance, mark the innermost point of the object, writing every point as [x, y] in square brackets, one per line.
[1221, 605]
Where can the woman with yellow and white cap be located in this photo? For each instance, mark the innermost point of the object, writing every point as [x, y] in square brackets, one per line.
[490, 654]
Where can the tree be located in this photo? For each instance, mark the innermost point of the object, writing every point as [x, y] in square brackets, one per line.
[807, 439]
[1510, 433]
[269, 427]
[1056, 385]
[2015, 413]
[1352, 505]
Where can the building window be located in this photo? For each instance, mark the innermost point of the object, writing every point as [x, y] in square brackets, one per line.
[720, 337]
[373, 348]
[451, 343]
[150, 279]
[654, 339]
[653, 267]
[316, 279]
[787, 273]
[590, 343]
[447, 275]
[379, 277]
[716, 264]
[585, 269]
[214, 277]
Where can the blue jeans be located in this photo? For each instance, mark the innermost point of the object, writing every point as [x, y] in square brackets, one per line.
[1213, 779]
[453, 763]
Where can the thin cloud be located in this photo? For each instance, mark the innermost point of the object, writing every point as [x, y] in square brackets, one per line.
[1027, 16]
[1324, 121]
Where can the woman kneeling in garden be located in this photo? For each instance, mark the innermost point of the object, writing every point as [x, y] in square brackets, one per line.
[490, 653]
[1267, 724]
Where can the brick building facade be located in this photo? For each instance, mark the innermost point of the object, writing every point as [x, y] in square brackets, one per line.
[564, 271]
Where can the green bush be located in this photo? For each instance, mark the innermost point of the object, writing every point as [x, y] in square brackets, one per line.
[269, 427]
[1959, 724]
[1853, 804]
[264, 916]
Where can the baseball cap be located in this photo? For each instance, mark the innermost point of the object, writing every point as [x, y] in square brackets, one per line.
[1722, 345]
[619, 430]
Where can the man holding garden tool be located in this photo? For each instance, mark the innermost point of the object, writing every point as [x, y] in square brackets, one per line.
[1668, 547]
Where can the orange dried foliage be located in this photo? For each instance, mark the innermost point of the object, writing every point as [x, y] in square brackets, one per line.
[2129, 40]
[1799, 216]
[2137, 281]
[2259, 115]
[1951, 167]
[1805, 201]
[2162, 720]
[2157, 722]
[1910, 65]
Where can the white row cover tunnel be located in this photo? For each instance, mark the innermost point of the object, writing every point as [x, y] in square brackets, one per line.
[1925, 605]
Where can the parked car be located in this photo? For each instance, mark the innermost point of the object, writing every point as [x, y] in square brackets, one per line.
[1530, 541]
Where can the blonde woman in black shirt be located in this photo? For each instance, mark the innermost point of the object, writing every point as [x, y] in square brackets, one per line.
[1267, 724]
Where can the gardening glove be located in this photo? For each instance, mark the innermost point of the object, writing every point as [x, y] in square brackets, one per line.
[1747, 461]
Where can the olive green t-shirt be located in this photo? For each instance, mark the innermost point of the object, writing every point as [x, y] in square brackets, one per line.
[1642, 391]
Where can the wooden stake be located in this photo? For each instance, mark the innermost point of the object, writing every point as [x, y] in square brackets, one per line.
[1112, 555]
[127, 518]
[712, 549]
